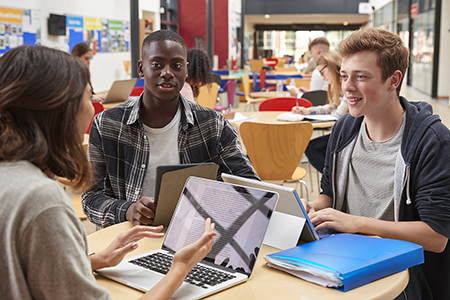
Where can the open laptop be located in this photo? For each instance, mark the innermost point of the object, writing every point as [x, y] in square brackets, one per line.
[169, 183]
[241, 215]
[120, 90]
[289, 213]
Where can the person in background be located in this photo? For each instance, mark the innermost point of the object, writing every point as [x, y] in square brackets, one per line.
[317, 47]
[45, 95]
[199, 73]
[387, 167]
[83, 52]
[128, 142]
[329, 66]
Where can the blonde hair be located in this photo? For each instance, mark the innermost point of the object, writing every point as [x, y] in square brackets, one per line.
[333, 60]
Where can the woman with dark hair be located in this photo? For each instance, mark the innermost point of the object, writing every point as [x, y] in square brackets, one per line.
[199, 73]
[83, 52]
[45, 109]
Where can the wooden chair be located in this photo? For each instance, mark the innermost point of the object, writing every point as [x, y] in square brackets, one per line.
[251, 102]
[207, 95]
[275, 150]
[282, 104]
[256, 65]
[78, 208]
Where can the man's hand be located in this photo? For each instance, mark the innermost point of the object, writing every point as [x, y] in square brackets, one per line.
[334, 219]
[308, 207]
[142, 212]
[125, 242]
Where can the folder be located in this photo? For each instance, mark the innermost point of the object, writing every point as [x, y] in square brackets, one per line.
[346, 261]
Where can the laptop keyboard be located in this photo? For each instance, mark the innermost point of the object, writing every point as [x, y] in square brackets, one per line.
[199, 275]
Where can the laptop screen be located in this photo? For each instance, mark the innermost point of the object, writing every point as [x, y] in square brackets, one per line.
[241, 215]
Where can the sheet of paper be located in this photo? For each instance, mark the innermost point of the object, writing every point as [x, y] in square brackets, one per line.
[284, 230]
[290, 117]
[238, 117]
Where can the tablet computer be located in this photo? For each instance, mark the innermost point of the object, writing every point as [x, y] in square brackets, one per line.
[169, 183]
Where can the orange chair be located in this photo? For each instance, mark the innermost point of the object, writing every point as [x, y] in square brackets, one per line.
[98, 107]
[282, 104]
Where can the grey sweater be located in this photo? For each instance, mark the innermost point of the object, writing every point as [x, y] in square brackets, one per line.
[43, 250]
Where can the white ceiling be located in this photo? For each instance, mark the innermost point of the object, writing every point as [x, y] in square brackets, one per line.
[251, 20]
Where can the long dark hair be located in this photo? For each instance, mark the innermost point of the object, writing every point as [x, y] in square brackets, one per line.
[80, 49]
[199, 68]
[40, 94]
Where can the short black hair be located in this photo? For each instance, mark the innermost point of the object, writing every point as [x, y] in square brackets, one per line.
[163, 35]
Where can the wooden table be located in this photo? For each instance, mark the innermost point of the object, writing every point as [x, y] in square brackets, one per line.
[265, 283]
[270, 94]
[230, 77]
[271, 117]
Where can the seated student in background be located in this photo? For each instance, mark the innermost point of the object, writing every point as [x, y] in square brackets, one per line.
[317, 47]
[387, 168]
[83, 52]
[199, 73]
[329, 66]
[129, 141]
[43, 250]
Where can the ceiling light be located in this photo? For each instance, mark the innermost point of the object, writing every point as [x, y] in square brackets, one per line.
[266, 16]
[345, 23]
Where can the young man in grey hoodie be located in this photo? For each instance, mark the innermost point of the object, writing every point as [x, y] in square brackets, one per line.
[387, 168]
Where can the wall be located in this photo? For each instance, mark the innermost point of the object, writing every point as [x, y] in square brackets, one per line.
[105, 67]
[192, 21]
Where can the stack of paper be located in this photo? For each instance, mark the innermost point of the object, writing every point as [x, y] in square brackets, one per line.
[346, 261]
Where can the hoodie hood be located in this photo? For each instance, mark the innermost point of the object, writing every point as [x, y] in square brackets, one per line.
[419, 117]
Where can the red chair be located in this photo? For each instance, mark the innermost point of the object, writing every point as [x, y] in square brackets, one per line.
[282, 104]
[98, 107]
[137, 91]
[272, 62]
[262, 82]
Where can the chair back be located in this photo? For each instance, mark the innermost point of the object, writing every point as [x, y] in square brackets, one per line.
[256, 64]
[98, 108]
[282, 104]
[136, 91]
[275, 150]
[245, 81]
[231, 89]
[207, 95]
[272, 62]
[262, 78]
[316, 97]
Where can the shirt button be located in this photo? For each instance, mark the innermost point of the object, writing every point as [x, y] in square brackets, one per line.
[143, 166]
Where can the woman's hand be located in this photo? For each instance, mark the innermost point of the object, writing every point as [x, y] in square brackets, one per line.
[301, 110]
[187, 257]
[124, 243]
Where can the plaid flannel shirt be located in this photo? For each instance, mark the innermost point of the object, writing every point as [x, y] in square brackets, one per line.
[119, 152]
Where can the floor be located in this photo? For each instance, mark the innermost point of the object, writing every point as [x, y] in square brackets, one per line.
[440, 107]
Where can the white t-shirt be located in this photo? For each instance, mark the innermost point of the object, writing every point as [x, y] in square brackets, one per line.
[317, 83]
[163, 151]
